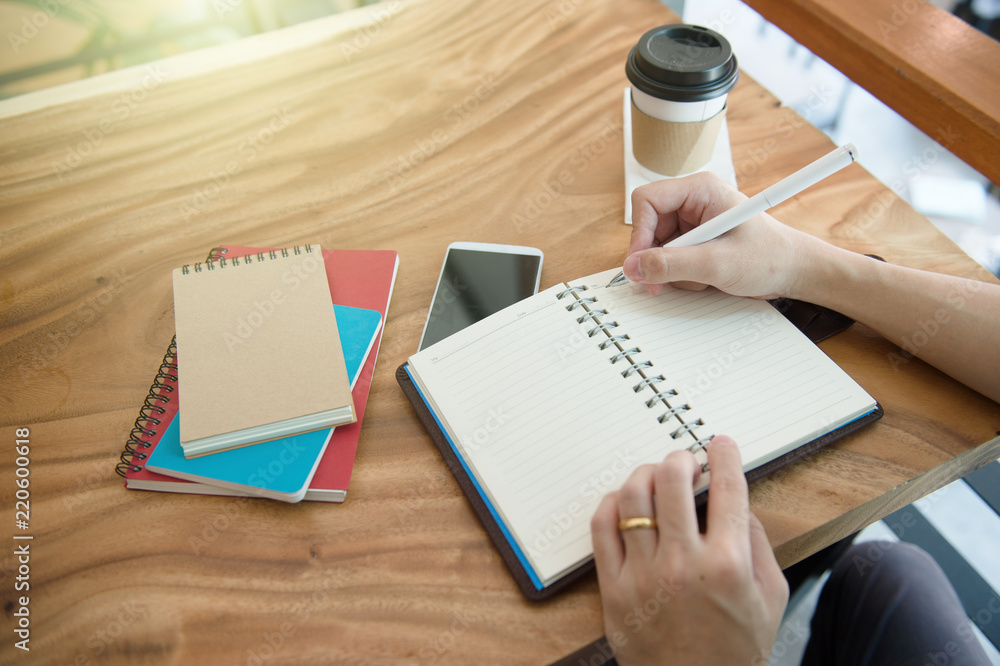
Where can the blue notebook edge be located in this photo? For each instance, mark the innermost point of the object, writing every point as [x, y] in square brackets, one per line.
[358, 329]
[515, 547]
[528, 575]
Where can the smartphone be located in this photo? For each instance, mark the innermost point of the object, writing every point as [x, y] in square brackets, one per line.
[476, 280]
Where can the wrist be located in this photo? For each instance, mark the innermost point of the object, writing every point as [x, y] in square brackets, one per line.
[831, 276]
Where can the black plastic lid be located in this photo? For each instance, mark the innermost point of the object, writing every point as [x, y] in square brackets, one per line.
[682, 63]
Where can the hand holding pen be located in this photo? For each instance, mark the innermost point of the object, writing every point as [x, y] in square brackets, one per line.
[728, 219]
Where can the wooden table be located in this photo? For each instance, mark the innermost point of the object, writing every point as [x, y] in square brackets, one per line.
[404, 126]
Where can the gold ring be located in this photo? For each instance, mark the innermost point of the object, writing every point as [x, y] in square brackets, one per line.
[640, 523]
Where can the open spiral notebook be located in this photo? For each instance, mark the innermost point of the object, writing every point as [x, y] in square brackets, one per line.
[551, 403]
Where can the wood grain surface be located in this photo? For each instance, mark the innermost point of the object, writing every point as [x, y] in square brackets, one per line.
[403, 126]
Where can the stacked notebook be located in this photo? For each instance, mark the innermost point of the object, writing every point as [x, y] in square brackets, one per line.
[263, 391]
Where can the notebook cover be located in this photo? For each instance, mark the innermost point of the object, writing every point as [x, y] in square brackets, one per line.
[816, 330]
[358, 278]
[280, 469]
[259, 353]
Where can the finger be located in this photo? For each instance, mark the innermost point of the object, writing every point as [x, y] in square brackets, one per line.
[635, 500]
[690, 286]
[728, 499]
[609, 551]
[645, 223]
[676, 205]
[674, 482]
[651, 225]
[696, 198]
[698, 263]
[767, 572]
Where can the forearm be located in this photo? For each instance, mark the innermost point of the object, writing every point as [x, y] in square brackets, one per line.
[949, 322]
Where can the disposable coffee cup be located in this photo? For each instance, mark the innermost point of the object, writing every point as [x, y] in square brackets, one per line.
[681, 75]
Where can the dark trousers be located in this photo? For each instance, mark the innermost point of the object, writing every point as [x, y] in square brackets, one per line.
[885, 604]
[890, 603]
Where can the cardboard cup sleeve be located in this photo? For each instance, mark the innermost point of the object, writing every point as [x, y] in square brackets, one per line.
[670, 148]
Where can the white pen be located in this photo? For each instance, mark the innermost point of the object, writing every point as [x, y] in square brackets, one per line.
[772, 196]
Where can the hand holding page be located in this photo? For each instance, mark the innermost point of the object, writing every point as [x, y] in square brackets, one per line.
[550, 404]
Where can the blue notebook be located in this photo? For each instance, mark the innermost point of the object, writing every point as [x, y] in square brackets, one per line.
[280, 469]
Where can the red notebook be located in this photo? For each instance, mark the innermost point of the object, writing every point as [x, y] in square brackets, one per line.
[358, 278]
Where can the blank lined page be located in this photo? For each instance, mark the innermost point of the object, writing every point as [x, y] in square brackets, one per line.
[546, 421]
[748, 371]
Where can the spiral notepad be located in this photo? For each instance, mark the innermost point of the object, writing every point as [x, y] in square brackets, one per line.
[362, 280]
[553, 402]
[258, 348]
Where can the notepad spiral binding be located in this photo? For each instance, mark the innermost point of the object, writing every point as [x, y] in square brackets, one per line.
[149, 419]
[151, 414]
[625, 351]
[217, 260]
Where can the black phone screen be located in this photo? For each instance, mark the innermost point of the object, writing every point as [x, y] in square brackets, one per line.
[473, 285]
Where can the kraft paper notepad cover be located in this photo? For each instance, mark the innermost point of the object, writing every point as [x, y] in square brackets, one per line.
[258, 350]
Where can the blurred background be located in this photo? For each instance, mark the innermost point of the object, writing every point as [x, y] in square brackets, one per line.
[55, 41]
[955, 197]
[50, 42]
